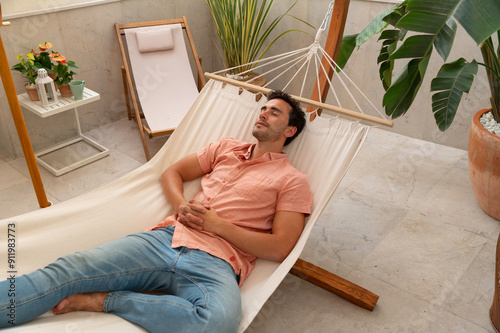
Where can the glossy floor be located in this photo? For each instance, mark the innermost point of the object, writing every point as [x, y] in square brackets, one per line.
[403, 224]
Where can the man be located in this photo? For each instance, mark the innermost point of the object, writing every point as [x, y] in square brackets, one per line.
[253, 204]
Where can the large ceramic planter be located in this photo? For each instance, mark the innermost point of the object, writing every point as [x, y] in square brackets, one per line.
[484, 166]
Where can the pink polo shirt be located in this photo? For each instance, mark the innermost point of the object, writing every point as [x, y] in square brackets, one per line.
[246, 193]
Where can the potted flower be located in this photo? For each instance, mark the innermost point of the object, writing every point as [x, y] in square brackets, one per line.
[409, 32]
[63, 71]
[26, 67]
[29, 64]
[240, 28]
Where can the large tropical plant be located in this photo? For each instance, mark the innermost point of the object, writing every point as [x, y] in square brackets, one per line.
[411, 31]
[242, 32]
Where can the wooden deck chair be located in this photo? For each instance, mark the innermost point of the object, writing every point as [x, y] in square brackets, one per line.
[157, 74]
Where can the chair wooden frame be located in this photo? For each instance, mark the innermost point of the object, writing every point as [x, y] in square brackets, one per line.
[128, 84]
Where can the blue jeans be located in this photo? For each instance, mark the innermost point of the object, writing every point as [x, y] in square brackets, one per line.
[203, 293]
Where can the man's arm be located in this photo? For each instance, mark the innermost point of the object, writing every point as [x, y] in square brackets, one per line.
[172, 180]
[287, 227]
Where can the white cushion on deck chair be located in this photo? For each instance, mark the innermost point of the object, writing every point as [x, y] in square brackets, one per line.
[155, 40]
[130, 204]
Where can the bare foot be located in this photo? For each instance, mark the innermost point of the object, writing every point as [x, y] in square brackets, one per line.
[81, 302]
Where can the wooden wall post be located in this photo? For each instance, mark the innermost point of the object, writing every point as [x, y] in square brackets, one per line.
[17, 115]
[332, 47]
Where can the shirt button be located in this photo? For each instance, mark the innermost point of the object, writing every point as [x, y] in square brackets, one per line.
[208, 199]
[223, 182]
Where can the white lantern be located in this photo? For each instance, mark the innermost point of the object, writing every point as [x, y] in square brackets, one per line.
[45, 87]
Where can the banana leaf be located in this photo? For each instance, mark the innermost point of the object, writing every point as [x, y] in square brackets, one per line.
[433, 25]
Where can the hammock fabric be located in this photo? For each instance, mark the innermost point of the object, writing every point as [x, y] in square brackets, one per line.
[324, 150]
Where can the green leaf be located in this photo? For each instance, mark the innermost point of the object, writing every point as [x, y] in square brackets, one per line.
[396, 15]
[480, 18]
[243, 31]
[346, 48]
[390, 37]
[421, 21]
[453, 80]
[400, 95]
[414, 47]
[374, 27]
[445, 37]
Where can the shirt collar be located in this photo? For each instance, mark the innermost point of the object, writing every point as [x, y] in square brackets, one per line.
[268, 155]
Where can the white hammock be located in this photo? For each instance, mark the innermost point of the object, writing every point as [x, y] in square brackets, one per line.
[136, 201]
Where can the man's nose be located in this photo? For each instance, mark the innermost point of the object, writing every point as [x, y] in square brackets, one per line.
[263, 115]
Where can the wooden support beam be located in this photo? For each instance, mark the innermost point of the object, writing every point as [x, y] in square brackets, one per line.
[335, 284]
[332, 47]
[22, 132]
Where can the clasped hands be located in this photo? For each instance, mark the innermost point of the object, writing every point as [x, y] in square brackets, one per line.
[198, 216]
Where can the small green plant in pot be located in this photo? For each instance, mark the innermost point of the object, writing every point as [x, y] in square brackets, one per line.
[26, 66]
[63, 71]
[240, 26]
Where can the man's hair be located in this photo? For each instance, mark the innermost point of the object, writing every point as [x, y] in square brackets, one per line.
[296, 117]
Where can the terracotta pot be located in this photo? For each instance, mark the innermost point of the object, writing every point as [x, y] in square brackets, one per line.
[65, 90]
[32, 93]
[53, 77]
[484, 166]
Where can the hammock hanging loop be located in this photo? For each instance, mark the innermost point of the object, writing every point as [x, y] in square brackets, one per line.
[329, 12]
[324, 24]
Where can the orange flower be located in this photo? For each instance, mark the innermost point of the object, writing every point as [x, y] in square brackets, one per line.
[44, 46]
[54, 54]
[60, 59]
[34, 52]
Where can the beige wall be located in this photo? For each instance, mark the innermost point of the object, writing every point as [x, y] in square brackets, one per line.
[86, 35]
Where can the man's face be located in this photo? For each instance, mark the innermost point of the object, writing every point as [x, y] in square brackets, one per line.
[272, 123]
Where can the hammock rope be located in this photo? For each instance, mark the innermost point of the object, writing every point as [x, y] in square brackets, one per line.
[278, 66]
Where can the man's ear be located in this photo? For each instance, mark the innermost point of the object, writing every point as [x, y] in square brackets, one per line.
[290, 131]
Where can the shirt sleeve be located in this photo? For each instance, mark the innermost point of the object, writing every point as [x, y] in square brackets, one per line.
[208, 155]
[296, 195]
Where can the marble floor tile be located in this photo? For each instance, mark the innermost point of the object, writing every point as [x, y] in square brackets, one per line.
[423, 256]
[10, 177]
[86, 178]
[401, 179]
[472, 296]
[452, 201]
[351, 226]
[20, 199]
[444, 321]
[397, 310]
[123, 135]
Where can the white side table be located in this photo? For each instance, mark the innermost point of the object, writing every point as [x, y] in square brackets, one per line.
[65, 104]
